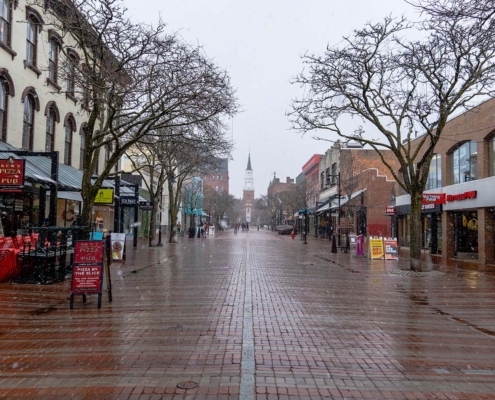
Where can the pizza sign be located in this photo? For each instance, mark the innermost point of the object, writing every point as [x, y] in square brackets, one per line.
[12, 172]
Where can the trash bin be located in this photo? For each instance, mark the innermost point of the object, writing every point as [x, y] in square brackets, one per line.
[192, 231]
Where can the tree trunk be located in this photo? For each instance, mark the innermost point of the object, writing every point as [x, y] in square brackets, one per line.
[415, 231]
[151, 239]
[173, 224]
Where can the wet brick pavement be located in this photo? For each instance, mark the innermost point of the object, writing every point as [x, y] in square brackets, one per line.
[253, 316]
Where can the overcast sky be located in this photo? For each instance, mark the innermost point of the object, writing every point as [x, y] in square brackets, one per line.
[260, 43]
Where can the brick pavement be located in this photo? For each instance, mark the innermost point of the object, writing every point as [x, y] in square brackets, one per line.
[253, 315]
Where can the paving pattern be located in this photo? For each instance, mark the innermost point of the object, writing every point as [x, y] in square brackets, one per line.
[253, 316]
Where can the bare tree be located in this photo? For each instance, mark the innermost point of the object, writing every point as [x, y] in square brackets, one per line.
[130, 79]
[399, 88]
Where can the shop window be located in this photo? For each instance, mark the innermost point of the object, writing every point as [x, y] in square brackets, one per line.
[28, 123]
[491, 156]
[465, 163]
[435, 173]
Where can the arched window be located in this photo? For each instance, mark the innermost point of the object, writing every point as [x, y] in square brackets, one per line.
[33, 26]
[28, 123]
[54, 45]
[52, 117]
[465, 163]
[6, 24]
[72, 60]
[82, 148]
[70, 126]
[3, 109]
[6, 89]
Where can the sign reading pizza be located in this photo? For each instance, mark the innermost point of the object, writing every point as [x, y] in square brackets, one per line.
[12, 172]
[87, 272]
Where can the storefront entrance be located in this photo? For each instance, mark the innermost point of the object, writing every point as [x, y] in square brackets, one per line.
[466, 234]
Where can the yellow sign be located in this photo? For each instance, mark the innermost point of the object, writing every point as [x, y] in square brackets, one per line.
[104, 196]
[376, 248]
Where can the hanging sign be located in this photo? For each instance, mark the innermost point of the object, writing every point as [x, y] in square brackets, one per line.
[391, 249]
[376, 248]
[12, 172]
[104, 196]
[87, 271]
[390, 210]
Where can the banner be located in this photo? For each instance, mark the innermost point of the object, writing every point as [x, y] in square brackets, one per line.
[118, 243]
[391, 249]
[376, 248]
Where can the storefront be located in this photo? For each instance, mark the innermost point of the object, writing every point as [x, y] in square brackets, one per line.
[431, 226]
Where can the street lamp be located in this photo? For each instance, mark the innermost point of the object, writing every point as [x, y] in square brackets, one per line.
[160, 244]
[337, 176]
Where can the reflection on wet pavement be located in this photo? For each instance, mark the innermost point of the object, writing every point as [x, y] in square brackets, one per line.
[253, 315]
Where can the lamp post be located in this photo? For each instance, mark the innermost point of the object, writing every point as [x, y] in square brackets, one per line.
[337, 176]
[160, 244]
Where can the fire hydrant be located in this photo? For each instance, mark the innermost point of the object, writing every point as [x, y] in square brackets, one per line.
[292, 235]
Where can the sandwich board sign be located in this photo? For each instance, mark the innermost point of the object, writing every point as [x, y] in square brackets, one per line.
[87, 271]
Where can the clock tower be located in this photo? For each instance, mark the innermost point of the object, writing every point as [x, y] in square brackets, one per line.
[248, 193]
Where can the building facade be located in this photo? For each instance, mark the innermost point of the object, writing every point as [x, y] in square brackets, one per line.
[458, 217]
[40, 113]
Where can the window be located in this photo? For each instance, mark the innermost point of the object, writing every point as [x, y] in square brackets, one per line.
[464, 163]
[52, 60]
[491, 156]
[3, 108]
[334, 173]
[435, 173]
[70, 126]
[82, 148]
[72, 60]
[50, 130]
[322, 180]
[5, 22]
[33, 24]
[28, 123]
[107, 153]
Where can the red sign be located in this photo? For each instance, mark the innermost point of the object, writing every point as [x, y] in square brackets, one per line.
[433, 198]
[463, 196]
[86, 279]
[390, 210]
[87, 272]
[12, 172]
[391, 249]
[88, 252]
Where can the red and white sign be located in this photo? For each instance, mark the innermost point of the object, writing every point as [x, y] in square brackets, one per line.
[463, 196]
[87, 272]
[390, 210]
[433, 198]
[12, 172]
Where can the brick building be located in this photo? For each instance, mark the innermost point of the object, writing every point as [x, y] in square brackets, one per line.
[218, 178]
[458, 217]
[365, 186]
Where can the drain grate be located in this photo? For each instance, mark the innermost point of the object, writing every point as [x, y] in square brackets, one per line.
[187, 385]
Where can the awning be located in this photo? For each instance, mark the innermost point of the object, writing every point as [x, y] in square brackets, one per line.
[324, 208]
[38, 170]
